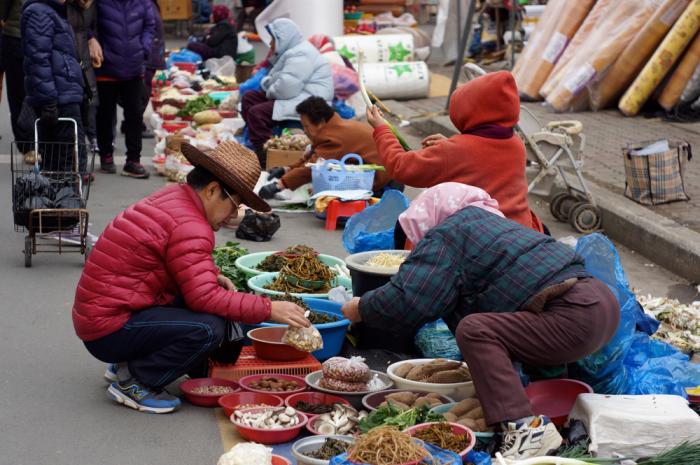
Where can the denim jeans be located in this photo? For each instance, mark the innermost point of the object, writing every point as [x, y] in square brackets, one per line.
[160, 344]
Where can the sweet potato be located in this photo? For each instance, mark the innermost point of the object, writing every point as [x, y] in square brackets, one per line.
[417, 373]
[451, 417]
[397, 405]
[421, 401]
[434, 402]
[407, 398]
[475, 414]
[481, 425]
[449, 376]
[439, 365]
[469, 423]
[403, 370]
[464, 407]
[433, 395]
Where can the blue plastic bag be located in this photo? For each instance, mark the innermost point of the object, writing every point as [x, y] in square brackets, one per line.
[343, 109]
[183, 56]
[435, 340]
[632, 362]
[438, 456]
[478, 458]
[373, 227]
[254, 82]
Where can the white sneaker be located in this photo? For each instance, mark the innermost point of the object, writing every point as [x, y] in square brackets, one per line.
[522, 440]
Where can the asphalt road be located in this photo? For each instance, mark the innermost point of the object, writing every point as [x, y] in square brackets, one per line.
[54, 408]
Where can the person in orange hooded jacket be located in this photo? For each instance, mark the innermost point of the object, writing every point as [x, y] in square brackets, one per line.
[486, 154]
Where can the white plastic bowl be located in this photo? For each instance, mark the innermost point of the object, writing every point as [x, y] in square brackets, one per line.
[457, 391]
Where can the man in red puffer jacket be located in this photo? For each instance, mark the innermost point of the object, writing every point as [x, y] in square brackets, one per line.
[151, 302]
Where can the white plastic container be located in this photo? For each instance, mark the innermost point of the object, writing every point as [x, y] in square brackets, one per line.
[378, 48]
[457, 391]
[397, 80]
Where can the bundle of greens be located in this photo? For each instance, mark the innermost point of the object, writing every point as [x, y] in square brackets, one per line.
[196, 105]
[225, 257]
[686, 453]
[389, 415]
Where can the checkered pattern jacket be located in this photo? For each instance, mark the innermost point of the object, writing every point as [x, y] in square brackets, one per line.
[473, 262]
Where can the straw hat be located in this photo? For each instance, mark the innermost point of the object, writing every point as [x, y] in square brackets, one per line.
[234, 165]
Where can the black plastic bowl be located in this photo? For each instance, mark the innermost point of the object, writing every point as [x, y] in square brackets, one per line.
[366, 278]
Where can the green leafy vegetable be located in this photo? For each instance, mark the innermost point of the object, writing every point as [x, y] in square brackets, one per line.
[389, 415]
[225, 257]
[196, 105]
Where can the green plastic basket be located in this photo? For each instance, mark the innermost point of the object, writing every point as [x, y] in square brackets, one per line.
[247, 263]
[257, 283]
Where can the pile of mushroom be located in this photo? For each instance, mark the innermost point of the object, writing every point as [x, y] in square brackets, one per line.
[272, 418]
[342, 420]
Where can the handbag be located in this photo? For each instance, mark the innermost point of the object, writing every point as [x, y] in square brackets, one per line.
[654, 171]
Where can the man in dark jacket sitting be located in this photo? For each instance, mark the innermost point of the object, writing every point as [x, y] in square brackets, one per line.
[221, 40]
[53, 78]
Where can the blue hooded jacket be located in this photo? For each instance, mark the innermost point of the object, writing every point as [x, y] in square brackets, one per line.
[52, 73]
[125, 30]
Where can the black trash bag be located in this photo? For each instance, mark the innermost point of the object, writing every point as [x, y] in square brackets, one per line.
[66, 197]
[258, 227]
[32, 191]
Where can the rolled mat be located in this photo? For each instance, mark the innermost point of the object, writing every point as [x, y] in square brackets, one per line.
[558, 24]
[589, 25]
[680, 77]
[662, 60]
[631, 61]
[602, 47]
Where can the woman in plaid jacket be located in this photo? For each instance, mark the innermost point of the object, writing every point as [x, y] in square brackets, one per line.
[506, 291]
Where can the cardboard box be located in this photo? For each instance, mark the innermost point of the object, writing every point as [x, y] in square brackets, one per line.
[283, 157]
[175, 10]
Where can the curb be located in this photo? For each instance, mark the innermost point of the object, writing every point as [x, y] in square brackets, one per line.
[658, 238]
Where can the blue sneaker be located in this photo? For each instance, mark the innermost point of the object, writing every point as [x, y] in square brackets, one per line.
[137, 396]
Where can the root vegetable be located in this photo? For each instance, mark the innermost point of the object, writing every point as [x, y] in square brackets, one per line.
[439, 365]
[403, 370]
[423, 401]
[397, 405]
[475, 414]
[469, 423]
[407, 398]
[417, 373]
[449, 376]
[451, 417]
[481, 425]
[465, 406]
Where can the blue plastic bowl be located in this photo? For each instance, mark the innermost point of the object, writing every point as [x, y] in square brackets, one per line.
[333, 334]
[220, 95]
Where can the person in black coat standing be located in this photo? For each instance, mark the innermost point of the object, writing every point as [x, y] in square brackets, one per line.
[222, 39]
[82, 17]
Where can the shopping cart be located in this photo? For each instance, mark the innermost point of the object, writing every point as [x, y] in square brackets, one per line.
[555, 152]
[54, 179]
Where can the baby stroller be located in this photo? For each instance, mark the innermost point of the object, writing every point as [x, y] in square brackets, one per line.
[555, 151]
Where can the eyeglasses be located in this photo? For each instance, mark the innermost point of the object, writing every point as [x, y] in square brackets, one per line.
[235, 204]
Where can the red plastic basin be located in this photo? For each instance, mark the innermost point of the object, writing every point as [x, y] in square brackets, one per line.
[313, 398]
[247, 380]
[456, 429]
[173, 127]
[269, 436]
[230, 402]
[555, 397]
[206, 400]
[279, 460]
[268, 345]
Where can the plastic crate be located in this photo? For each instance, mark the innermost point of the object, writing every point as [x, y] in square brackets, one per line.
[249, 364]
